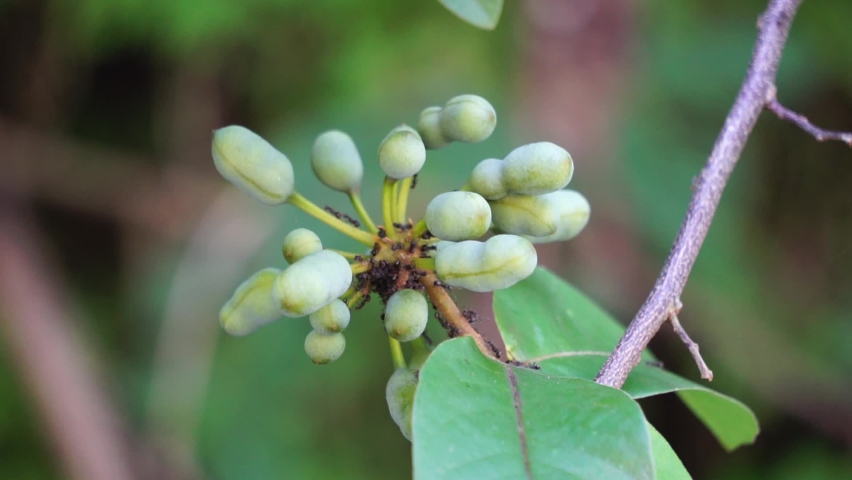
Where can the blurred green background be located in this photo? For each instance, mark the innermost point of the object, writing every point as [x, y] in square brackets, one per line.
[106, 110]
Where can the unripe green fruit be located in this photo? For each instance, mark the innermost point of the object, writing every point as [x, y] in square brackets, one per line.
[537, 168]
[532, 215]
[399, 393]
[336, 161]
[300, 243]
[402, 153]
[331, 318]
[486, 179]
[429, 127]
[251, 306]
[573, 211]
[311, 283]
[499, 262]
[252, 164]
[406, 314]
[468, 118]
[458, 216]
[322, 349]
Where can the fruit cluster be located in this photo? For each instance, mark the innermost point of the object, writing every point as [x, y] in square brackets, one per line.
[409, 265]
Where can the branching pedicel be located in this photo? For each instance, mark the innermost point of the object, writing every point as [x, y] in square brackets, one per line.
[520, 198]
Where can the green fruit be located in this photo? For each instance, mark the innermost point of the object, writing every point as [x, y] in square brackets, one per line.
[429, 127]
[336, 162]
[573, 211]
[458, 216]
[300, 243]
[406, 314]
[311, 283]
[468, 118]
[532, 215]
[402, 153]
[399, 393]
[251, 306]
[331, 318]
[322, 349]
[486, 179]
[537, 168]
[499, 262]
[252, 164]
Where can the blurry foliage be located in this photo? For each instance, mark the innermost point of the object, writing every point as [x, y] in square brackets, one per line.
[769, 298]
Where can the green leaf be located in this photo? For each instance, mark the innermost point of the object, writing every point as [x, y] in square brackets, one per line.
[543, 319]
[480, 13]
[475, 417]
[666, 461]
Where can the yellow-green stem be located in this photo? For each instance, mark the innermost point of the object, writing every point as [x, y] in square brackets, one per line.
[359, 268]
[425, 263]
[396, 353]
[311, 209]
[451, 313]
[402, 200]
[344, 254]
[355, 198]
[419, 228]
[351, 301]
[388, 202]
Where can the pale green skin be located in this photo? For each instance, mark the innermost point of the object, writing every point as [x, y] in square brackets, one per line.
[336, 161]
[533, 215]
[429, 127]
[573, 211]
[537, 168]
[331, 318]
[458, 216]
[468, 118]
[322, 349]
[311, 283]
[252, 164]
[486, 179]
[251, 306]
[402, 153]
[300, 243]
[499, 262]
[406, 315]
[399, 393]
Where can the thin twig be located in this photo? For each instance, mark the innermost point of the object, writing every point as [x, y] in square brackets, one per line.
[820, 134]
[773, 26]
[706, 373]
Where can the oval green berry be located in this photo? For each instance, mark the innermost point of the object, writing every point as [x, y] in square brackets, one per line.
[406, 314]
[399, 393]
[499, 262]
[336, 161]
[252, 164]
[402, 153]
[322, 349]
[251, 306]
[573, 211]
[468, 118]
[429, 127]
[537, 168]
[311, 283]
[486, 179]
[300, 243]
[458, 216]
[532, 215]
[331, 318]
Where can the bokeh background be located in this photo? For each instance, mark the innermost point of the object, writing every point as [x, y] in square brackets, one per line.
[119, 242]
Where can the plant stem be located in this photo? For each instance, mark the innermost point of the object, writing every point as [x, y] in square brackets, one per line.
[351, 301]
[396, 353]
[388, 202]
[419, 228]
[344, 254]
[355, 198]
[424, 263]
[359, 268]
[311, 209]
[402, 204]
[451, 313]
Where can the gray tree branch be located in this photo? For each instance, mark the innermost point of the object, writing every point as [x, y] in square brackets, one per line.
[757, 91]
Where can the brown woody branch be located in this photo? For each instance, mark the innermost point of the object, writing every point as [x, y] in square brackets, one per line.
[756, 93]
[801, 121]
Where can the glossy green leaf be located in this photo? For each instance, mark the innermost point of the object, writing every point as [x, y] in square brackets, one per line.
[666, 461]
[475, 417]
[544, 319]
[479, 13]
